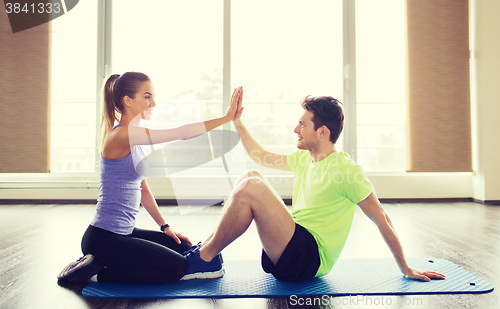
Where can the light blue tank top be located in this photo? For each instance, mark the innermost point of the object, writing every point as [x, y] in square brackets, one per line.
[120, 192]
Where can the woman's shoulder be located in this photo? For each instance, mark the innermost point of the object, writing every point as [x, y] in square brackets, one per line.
[116, 144]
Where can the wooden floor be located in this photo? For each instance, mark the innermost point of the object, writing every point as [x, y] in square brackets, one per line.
[37, 241]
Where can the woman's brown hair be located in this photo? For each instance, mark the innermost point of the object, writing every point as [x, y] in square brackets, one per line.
[114, 89]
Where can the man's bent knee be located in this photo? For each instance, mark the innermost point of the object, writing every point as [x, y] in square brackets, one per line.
[250, 185]
[250, 173]
[255, 173]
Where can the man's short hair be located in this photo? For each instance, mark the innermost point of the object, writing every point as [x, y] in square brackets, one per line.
[328, 112]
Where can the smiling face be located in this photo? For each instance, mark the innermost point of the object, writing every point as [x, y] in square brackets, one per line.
[307, 136]
[143, 101]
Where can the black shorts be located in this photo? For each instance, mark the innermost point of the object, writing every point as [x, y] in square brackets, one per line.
[299, 261]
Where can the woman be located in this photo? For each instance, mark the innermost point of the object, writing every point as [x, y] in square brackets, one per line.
[114, 248]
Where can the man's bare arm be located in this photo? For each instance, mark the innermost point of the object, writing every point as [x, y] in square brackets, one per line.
[258, 154]
[374, 210]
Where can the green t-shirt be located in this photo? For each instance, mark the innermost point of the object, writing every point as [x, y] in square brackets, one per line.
[325, 194]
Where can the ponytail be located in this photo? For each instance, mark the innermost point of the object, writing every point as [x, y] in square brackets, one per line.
[108, 108]
[114, 89]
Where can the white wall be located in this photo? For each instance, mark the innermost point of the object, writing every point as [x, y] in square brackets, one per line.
[414, 185]
[485, 95]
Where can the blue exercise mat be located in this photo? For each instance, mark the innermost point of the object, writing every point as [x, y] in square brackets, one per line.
[348, 277]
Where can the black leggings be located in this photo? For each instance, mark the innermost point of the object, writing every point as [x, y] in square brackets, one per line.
[143, 257]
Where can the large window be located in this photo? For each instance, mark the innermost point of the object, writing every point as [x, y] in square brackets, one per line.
[73, 90]
[380, 84]
[292, 49]
[280, 51]
[178, 44]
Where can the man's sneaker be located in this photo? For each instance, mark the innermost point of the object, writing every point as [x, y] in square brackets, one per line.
[221, 261]
[198, 246]
[199, 269]
[81, 270]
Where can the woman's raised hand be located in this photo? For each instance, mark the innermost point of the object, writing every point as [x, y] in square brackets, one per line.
[240, 108]
[235, 104]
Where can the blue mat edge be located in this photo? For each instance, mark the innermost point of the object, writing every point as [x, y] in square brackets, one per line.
[288, 295]
[298, 294]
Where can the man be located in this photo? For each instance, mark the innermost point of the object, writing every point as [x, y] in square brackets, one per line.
[327, 187]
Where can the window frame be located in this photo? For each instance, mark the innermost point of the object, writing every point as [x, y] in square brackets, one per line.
[74, 186]
[104, 64]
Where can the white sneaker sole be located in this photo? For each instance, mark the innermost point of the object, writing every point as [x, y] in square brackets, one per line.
[204, 275]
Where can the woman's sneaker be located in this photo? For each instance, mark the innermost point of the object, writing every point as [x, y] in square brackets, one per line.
[199, 269]
[81, 270]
